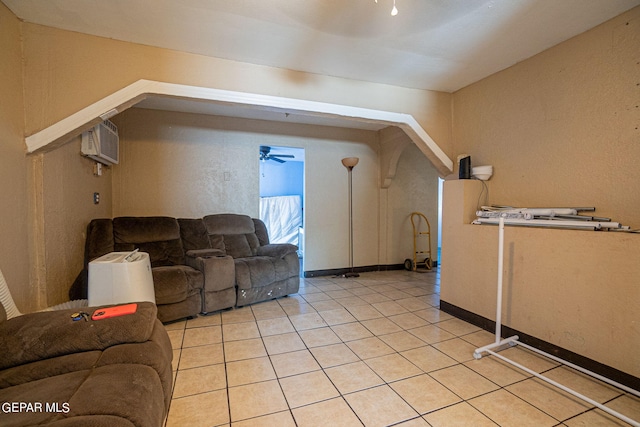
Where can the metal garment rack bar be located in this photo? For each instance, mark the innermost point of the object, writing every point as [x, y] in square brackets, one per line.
[513, 341]
[551, 223]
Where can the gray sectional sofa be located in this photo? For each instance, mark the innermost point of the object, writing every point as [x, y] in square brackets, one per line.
[199, 265]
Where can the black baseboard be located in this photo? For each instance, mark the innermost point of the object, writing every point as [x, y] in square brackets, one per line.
[342, 271]
[577, 359]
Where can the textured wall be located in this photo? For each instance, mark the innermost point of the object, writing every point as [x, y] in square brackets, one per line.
[562, 128]
[64, 72]
[175, 164]
[68, 184]
[67, 71]
[413, 189]
[573, 288]
[14, 252]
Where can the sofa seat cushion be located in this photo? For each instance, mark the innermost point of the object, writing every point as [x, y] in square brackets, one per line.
[128, 391]
[91, 420]
[59, 389]
[48, 334]
[259, 271]
[55, 366]
[174, 284]
[277, 250]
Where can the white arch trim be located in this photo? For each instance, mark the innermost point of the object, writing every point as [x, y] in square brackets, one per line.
[75, 124]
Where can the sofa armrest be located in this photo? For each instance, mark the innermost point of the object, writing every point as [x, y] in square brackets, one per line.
[277, 250]
[42, 335]
[193, 254]
[219, 271]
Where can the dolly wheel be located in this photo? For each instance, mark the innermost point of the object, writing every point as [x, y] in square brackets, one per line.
[408, 264]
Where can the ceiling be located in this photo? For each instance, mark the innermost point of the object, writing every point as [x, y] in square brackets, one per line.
[439, 45]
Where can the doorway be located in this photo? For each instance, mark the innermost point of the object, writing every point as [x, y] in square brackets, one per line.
[282, 195]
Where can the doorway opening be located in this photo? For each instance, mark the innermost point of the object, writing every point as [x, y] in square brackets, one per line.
[282, 195]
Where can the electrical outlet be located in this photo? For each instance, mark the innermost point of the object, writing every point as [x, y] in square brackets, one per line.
[96, 198]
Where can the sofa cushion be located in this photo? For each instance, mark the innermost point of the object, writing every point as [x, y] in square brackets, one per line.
[91, 420]
[42, 335]
[125, 394]
[229, 224]
[158, 236]
[52, 367]
[261, 231]
[254, 272]
[193, 233]
[59, 389]
[145, 229]
[130, 391]
[174, 284]
[238, 245]
[233, 234]
[99, 238]
[155, 353]
[160, 253]
[279, 250]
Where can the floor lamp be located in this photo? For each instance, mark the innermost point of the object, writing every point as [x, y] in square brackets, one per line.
[350, 163]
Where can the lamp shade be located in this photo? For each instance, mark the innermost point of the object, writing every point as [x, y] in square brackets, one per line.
[350, 162]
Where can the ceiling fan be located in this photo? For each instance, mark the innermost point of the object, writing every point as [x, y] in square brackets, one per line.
[265, 155]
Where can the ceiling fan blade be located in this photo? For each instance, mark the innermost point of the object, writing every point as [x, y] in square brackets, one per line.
[276, 159]
[286, 156]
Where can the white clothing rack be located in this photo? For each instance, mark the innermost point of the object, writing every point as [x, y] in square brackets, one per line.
[513, 341]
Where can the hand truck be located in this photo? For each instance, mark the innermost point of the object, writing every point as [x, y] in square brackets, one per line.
[419, 222]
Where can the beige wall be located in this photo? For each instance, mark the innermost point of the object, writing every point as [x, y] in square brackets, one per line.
[413, 189]
[174, 164]
[67, 71]
[561, 128]
[573, 288]
[14, 167]
[68, 184]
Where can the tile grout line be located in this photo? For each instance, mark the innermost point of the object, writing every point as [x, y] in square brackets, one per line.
[464, 337]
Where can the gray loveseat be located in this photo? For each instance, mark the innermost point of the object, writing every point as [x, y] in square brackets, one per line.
[263, 270]
[199, 265]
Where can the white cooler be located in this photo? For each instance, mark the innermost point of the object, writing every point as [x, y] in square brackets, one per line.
[120, 277]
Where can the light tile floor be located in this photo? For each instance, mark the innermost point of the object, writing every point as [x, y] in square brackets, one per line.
[373, 350]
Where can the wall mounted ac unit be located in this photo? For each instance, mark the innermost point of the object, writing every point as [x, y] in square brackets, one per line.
[101, 143]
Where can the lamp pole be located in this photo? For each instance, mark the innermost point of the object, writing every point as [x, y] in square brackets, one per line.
[350, 163]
